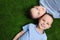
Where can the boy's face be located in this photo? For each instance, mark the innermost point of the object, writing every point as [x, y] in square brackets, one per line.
[45, 22]
[37, 11]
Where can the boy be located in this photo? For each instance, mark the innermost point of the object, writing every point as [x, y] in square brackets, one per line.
[36, 32]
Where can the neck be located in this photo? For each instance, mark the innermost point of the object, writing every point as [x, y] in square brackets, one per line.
[40, 30]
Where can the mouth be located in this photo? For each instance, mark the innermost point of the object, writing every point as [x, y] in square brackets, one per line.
[42, 26]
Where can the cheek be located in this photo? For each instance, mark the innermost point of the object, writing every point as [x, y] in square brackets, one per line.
[34, 12]
[47, 27]
[41, 21]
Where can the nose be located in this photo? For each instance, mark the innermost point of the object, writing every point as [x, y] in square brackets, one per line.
[44, 23]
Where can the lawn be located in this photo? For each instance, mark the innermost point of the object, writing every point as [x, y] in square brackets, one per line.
[13, 15]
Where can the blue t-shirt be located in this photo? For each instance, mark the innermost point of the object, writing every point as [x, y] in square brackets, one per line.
[31, 33]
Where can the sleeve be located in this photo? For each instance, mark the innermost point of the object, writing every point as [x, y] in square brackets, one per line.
[46, 38]
[26, 28]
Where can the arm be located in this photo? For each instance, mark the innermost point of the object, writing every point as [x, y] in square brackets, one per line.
[25, 28]
[18, 35]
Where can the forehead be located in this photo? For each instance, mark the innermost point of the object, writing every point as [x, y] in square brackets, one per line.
[47, 18]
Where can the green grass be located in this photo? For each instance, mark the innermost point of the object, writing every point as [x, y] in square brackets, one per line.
[13, 16]
[54, 32]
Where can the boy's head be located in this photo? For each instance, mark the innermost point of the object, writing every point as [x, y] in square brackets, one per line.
[45, 21]
[37, 11]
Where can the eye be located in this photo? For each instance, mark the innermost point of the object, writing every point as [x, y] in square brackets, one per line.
[43, 20]
[47, 23]
[36, 8]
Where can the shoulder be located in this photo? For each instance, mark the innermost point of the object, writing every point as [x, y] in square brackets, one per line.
[32, 25]
[29, 26]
